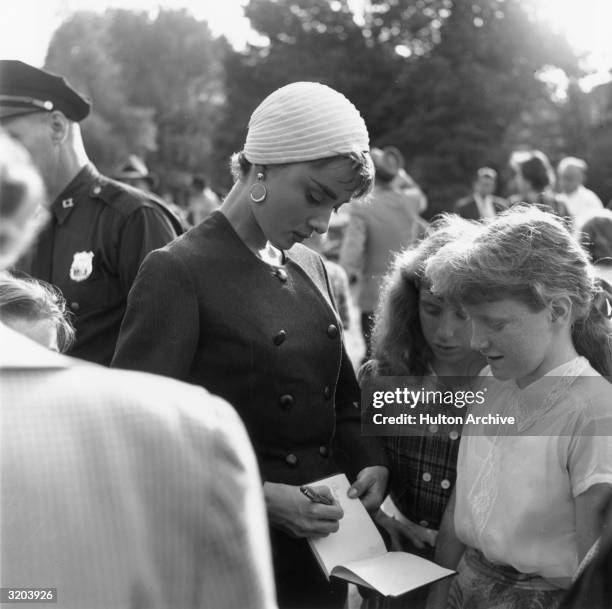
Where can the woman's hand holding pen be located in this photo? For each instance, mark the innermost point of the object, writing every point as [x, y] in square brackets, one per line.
[297, 514]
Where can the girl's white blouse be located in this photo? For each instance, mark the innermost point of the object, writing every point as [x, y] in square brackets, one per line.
[515, 492]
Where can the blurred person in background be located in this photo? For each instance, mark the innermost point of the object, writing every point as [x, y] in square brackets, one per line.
[202, 201]
[100, 230]
[534, 180]
[595, 234]
[135, 173]
[332, 241]
[37, 310]
[117, 489]
[404, 183]
[337, 278]
[238, 305]
[579, 200]
[482, 203]
[379, 226]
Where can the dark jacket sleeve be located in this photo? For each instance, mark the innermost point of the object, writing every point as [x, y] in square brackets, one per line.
[160, 330]
[593, 588]
[145, 229]
[353, 450]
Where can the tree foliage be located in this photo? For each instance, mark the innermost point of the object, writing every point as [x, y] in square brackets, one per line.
[454, 84]
[599, 149]
[156, 83]
[442, 80]
[79, 51]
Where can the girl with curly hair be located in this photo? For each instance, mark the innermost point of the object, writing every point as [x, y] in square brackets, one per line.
[421, 336]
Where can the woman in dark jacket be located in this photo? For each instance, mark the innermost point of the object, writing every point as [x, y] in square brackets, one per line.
[239, 306]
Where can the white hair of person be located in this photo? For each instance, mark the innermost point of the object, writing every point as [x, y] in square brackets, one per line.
[571, 161]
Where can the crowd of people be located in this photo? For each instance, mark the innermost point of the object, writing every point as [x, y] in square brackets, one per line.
[169, 474]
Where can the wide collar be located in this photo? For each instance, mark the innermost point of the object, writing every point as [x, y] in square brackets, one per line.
[534, 401]
[86, 179]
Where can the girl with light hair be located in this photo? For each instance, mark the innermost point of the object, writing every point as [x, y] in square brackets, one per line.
[37, 310]
[525, 508]
[241, 307]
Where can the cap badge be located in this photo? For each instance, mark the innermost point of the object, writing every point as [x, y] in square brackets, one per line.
[82, 266]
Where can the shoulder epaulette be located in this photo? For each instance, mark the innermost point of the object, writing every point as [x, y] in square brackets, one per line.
[128, 199]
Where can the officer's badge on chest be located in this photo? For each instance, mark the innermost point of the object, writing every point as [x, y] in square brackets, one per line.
[82, 266]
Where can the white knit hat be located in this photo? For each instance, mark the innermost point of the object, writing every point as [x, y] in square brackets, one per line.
[304, 121]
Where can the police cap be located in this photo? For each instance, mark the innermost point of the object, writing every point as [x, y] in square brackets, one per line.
[25, 89]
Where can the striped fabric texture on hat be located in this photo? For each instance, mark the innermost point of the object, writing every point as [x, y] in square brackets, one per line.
[304, 121]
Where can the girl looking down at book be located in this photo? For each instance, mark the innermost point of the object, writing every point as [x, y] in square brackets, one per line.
[420, 335]
[525, 508]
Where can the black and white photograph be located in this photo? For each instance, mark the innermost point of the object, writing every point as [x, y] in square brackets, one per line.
[306, 304]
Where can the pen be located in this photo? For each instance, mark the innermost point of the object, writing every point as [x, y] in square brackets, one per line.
[314, 496]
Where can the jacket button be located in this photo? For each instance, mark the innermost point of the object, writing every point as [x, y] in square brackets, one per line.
[327, 392]
[332, 331]
[96, 190]
[279, 339]
[291, 460]
[286, 401]
[323, 451]
[280, 274]
[75, 306]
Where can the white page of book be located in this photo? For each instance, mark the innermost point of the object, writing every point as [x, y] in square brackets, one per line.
[394, 573]
[391, 510]
[356, 537]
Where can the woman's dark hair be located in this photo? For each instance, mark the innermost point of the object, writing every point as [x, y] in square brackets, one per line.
[240, 167]
[398, 345]
[199, 182]
[596, 237]
[534, 171]
[528, 255]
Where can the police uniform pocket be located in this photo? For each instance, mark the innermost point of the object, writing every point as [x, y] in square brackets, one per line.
[90, 295]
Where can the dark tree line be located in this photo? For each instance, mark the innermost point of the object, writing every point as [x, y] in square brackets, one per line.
[453, 84]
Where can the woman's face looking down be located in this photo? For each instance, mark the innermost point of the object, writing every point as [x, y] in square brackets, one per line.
[301, 198]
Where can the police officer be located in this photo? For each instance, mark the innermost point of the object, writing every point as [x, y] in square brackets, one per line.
[100, 229]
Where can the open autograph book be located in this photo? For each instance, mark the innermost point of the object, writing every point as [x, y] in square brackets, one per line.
[357, 553]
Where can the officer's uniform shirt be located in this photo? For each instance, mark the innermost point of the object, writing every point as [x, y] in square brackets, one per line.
[99, 233]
